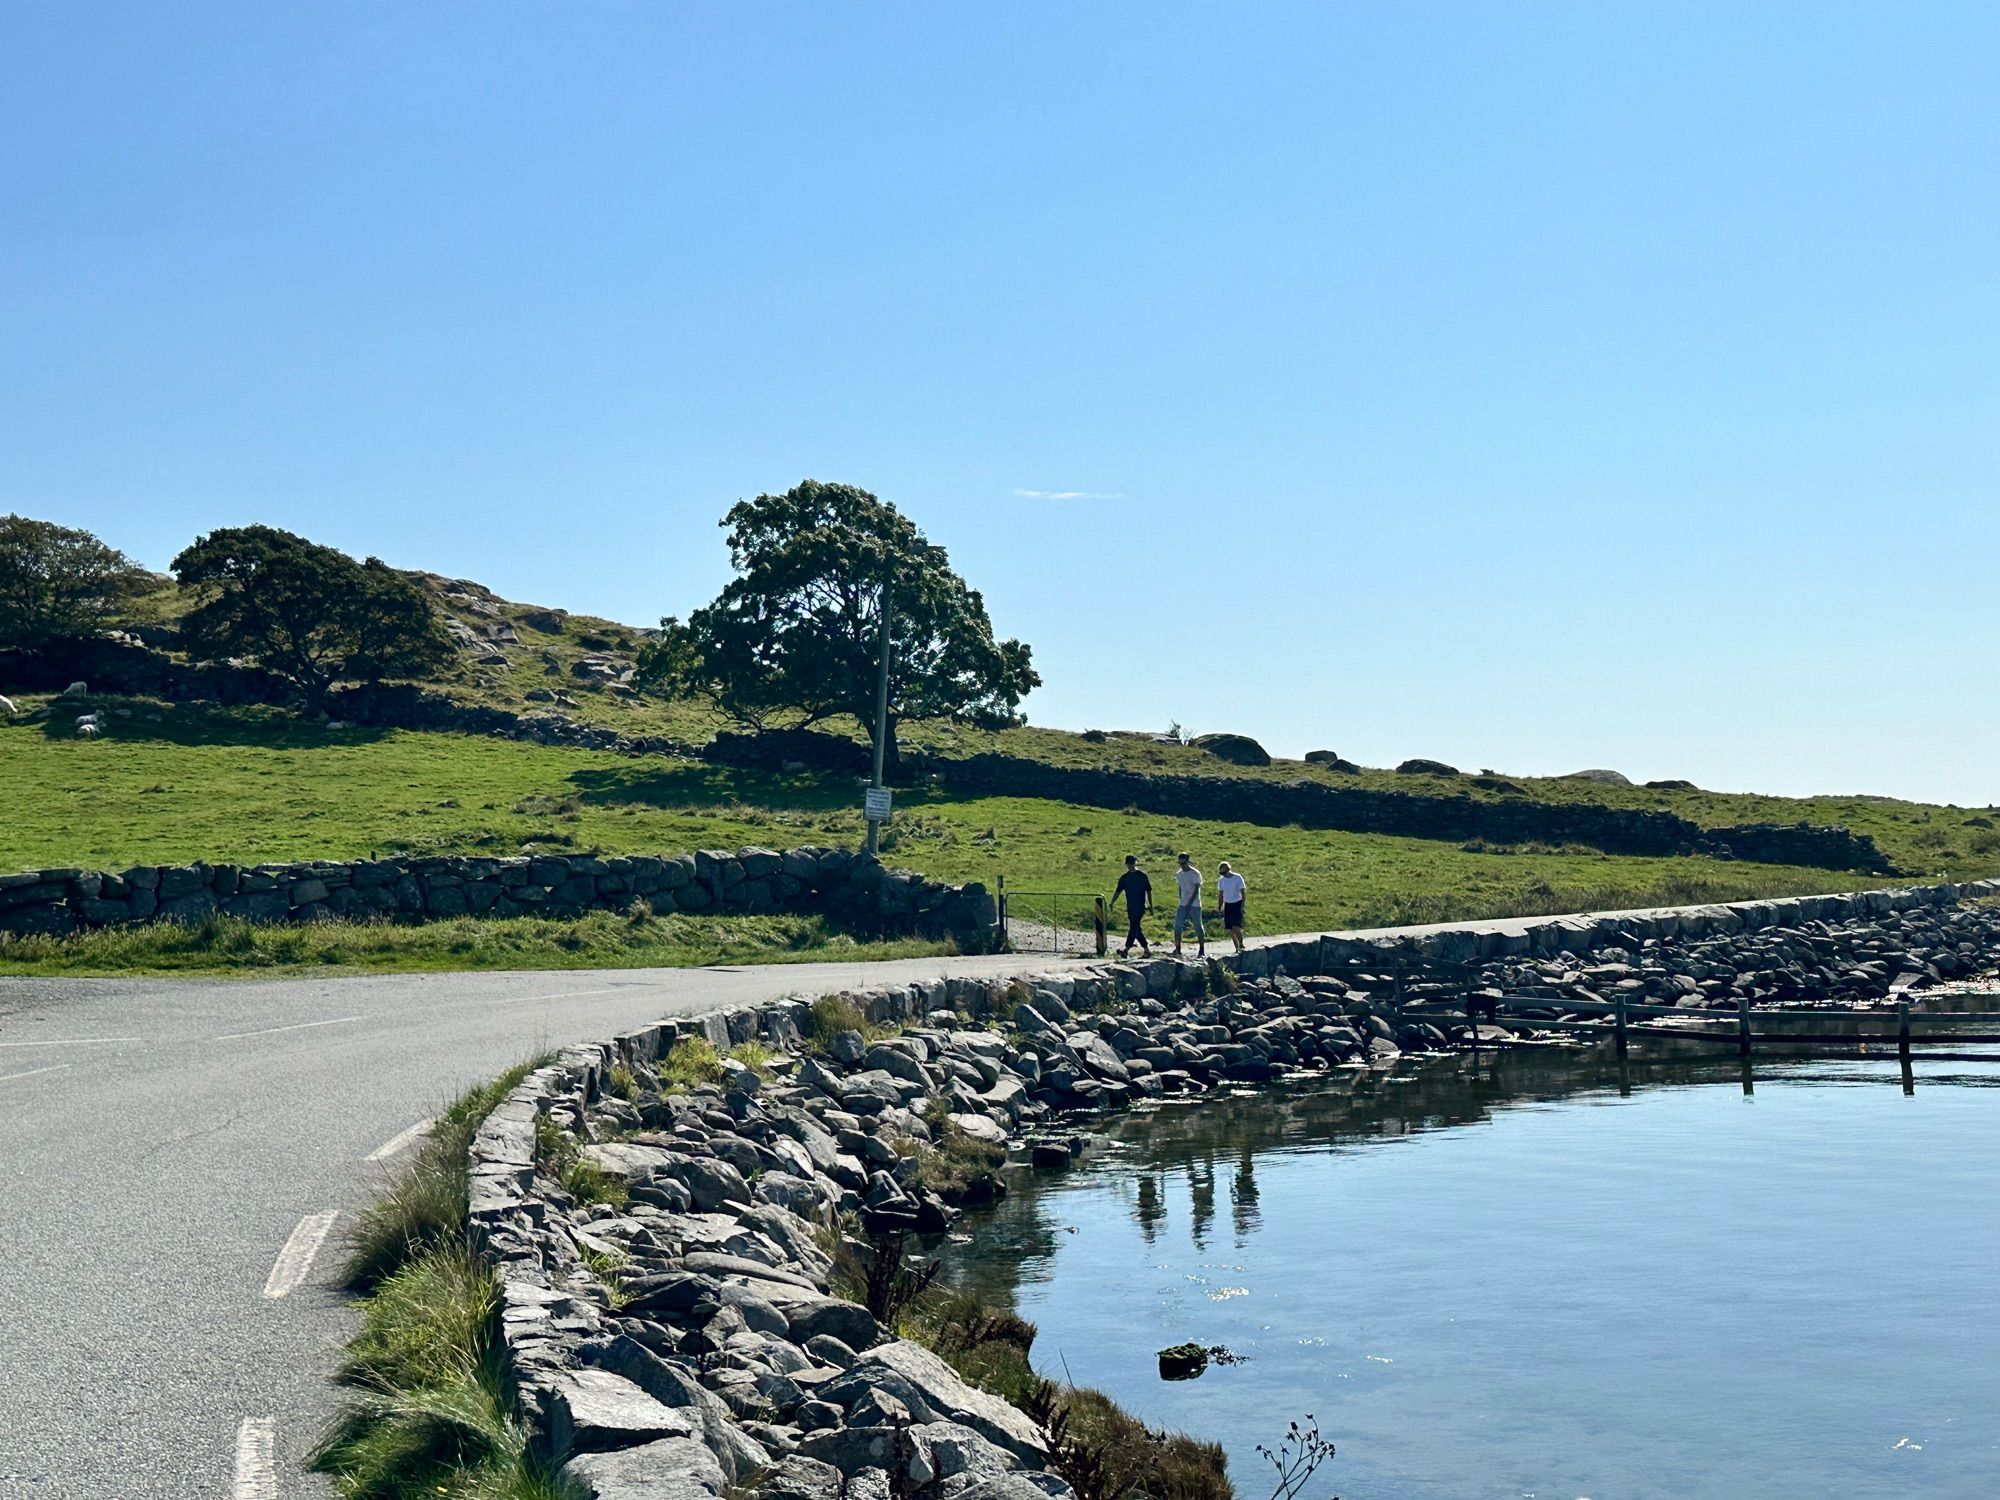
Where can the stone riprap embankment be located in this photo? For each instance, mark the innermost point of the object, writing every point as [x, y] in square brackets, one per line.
[690, 1337]
[855, 888]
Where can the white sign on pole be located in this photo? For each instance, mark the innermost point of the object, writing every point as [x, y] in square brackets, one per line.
[875, 804]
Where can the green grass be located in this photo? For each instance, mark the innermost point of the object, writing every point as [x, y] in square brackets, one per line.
[596, 940]
[430, 1412]
[425, 1206]
[251, 785]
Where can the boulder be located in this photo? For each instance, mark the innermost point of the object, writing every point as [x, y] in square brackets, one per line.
[1421, 767]
[676, 1468]
[1600, 775]
[934, 1393]
[1237, 749]
[595, 1411]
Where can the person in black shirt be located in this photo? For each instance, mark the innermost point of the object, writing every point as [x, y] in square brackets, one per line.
[1138, 893]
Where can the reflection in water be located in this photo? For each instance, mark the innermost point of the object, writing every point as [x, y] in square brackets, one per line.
[1243, 1198]
[1598, 1279]
[1175, 1150]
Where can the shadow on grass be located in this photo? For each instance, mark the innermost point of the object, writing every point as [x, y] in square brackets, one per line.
[154, 722]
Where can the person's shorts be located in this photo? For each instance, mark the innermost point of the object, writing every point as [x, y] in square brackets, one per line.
[1232, 914]
[1186, 916]
[1132, 920]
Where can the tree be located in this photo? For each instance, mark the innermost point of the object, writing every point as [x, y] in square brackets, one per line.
[798, 630]
[309, 613]
[58, 583]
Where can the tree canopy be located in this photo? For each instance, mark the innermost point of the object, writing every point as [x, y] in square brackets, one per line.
[58, 583]
[307, 612]
[796, 632]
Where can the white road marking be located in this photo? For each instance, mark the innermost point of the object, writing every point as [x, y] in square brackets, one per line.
[296, 1259]
[10, 1077]
[256, 1464]
[400, 1142]
[233, 1036]
[568, 994]
[77, 1041]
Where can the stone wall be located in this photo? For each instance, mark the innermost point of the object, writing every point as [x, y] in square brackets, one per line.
[1314, 804]
[855, 888]
[128, 668]
[727, 1356]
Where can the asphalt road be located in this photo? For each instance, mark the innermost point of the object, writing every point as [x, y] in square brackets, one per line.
[169, 1149]
[162, 1140]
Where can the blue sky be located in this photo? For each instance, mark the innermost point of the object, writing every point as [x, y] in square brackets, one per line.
[1531, 386]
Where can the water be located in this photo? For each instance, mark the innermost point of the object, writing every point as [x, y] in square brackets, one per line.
[1525, 1285]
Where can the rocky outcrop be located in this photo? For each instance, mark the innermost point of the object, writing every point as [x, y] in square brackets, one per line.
[854, 888]
[692, 1336]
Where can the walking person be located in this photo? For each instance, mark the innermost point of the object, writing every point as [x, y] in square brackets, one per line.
[1229, 891]
[1138, 893]
[1187, 907]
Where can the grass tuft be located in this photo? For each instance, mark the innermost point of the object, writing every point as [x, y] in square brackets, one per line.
[691, 1062]
[425, 1204]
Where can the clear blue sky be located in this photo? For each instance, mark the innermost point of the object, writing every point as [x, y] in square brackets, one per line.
[1532, 386]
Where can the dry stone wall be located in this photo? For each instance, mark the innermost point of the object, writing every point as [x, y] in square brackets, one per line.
[855, 888]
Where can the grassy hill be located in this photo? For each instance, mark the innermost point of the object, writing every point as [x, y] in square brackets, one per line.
[171, 783]
[246, 785]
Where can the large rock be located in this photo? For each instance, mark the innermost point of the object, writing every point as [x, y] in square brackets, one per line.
[1601, 776]
[1237, 749]
[595, 1410]
[1418, 766]
[738, 1454]
[934, 1393]
[670, 1469]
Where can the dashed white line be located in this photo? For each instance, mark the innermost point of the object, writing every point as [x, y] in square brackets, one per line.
[398, 1143]
[10, 1077]
[77, 1041]
[232, 1036]
[256, 1461]
[296, 1259]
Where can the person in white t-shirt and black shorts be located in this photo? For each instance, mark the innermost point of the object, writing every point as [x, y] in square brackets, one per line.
[1229, 892]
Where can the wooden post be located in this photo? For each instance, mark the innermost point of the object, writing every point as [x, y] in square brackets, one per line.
[1903, 1031]
[1472, 1030]
[1619, 1021]
[1742, 1025]
[1103, 942]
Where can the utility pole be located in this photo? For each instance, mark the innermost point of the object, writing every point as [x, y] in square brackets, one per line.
[878, 795]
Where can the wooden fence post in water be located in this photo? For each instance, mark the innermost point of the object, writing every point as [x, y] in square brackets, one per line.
[1742, 1025]
[1618, 1017]
[1903, 1031]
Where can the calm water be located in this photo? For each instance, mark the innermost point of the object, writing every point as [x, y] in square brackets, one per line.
[1525, 1285]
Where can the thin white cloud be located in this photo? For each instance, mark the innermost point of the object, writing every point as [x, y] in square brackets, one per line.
[1069, 495]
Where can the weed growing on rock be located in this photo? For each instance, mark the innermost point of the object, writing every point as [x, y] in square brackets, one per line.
[690, 1062]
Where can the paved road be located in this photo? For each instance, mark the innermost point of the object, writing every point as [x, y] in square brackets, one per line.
[162, 1140]
[168, 1149]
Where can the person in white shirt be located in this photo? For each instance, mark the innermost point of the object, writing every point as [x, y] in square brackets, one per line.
[1229, 891]
[1187, 907]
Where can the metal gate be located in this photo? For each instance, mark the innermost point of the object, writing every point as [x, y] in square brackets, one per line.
[1053, 921]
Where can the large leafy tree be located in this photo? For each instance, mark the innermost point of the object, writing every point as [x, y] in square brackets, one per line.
[58, 583]
[307, 612]
[796, 633]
